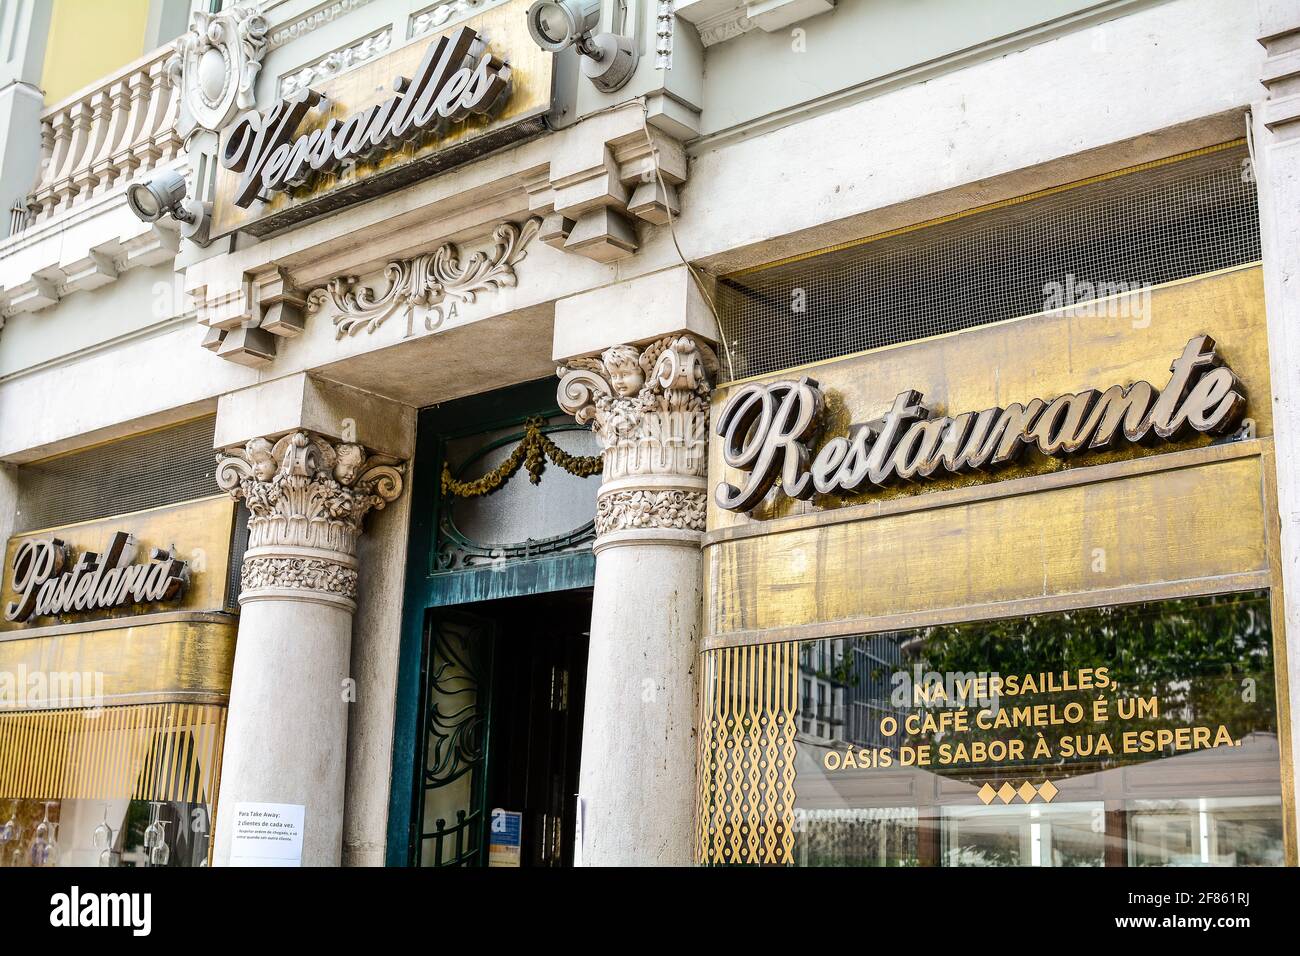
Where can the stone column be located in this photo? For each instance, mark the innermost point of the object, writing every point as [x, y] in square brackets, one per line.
[650, 407]
[286, 734]
[1276, 151]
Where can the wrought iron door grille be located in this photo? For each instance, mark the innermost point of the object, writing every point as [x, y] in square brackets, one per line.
[452, 799]
[1139, 227]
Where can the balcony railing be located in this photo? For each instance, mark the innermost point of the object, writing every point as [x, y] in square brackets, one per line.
[107, 134]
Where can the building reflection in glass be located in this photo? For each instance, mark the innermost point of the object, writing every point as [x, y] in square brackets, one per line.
[1168, 801]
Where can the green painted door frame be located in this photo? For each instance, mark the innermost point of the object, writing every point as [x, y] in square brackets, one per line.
[427, 589]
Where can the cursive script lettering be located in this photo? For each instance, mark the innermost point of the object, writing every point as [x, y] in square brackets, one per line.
[766, 429]
[44, 588]
[457, 77]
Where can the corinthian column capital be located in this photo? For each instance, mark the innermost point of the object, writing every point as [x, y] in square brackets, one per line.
[650, 408]
[307, 499]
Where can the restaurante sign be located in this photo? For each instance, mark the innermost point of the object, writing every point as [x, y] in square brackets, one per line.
[767, 428]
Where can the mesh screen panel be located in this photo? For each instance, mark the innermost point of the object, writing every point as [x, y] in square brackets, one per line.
[238, 545]
[145, 471]
[1155, 224]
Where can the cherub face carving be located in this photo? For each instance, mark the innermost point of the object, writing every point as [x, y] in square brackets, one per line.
[348, 467]
[259, 455]
[623, 365]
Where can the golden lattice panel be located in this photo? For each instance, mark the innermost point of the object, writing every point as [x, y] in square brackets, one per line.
[747, 754]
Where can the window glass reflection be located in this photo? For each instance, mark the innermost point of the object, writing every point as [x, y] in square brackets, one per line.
[1139, 735]
[107, 833]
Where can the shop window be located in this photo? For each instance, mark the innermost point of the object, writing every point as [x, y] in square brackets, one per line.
[126, 786]
[1134, 735]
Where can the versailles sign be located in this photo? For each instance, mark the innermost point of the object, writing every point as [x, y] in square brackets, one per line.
[766, 430]
[48, 583]
[383, 125]
[261, 150]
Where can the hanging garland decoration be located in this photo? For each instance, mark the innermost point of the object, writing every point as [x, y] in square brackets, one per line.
[531, 453]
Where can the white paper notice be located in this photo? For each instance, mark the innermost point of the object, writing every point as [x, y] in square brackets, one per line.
[267, 834]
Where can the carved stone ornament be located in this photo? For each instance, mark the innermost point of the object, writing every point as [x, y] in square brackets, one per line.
[308, 498]
[650, 408]
[431, 18]
[638, 509]
[429, 281]
[215, 66]
[307, 574]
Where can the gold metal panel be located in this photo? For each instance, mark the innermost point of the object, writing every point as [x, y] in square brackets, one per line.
[200, 531]
[140, 752]
[1200, 526]
[1040, 356]
[746, 755]
[505, 29]
[170, 660]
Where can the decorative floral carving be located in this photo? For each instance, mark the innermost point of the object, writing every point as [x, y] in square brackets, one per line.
[215, 65]
[299, 574]
[649, 406]
[637, 509]
[435, 16]
[324, 14]
[336, 62]
[727, 25]
[665, 23]
[304, 491]
[426, 281]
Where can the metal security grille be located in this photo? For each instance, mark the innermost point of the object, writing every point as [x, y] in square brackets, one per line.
[163, 751]
[1134, 228]
[145, 471]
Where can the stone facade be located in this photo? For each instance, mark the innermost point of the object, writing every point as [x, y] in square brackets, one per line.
[592, 245]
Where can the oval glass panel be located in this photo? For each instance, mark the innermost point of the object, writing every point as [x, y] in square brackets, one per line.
[519, 510]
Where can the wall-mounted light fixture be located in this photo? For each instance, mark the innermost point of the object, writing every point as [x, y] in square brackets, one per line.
[608, 59]
[163, 194]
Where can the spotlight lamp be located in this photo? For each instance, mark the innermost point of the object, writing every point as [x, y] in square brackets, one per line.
[608, 59]
[163, 194]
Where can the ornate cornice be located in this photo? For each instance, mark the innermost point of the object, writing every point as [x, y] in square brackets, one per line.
[650, 408]
[215, 66]
[429, 281]
[307, 499]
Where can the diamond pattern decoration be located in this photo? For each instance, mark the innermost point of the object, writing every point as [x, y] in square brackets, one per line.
[1026, 792]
